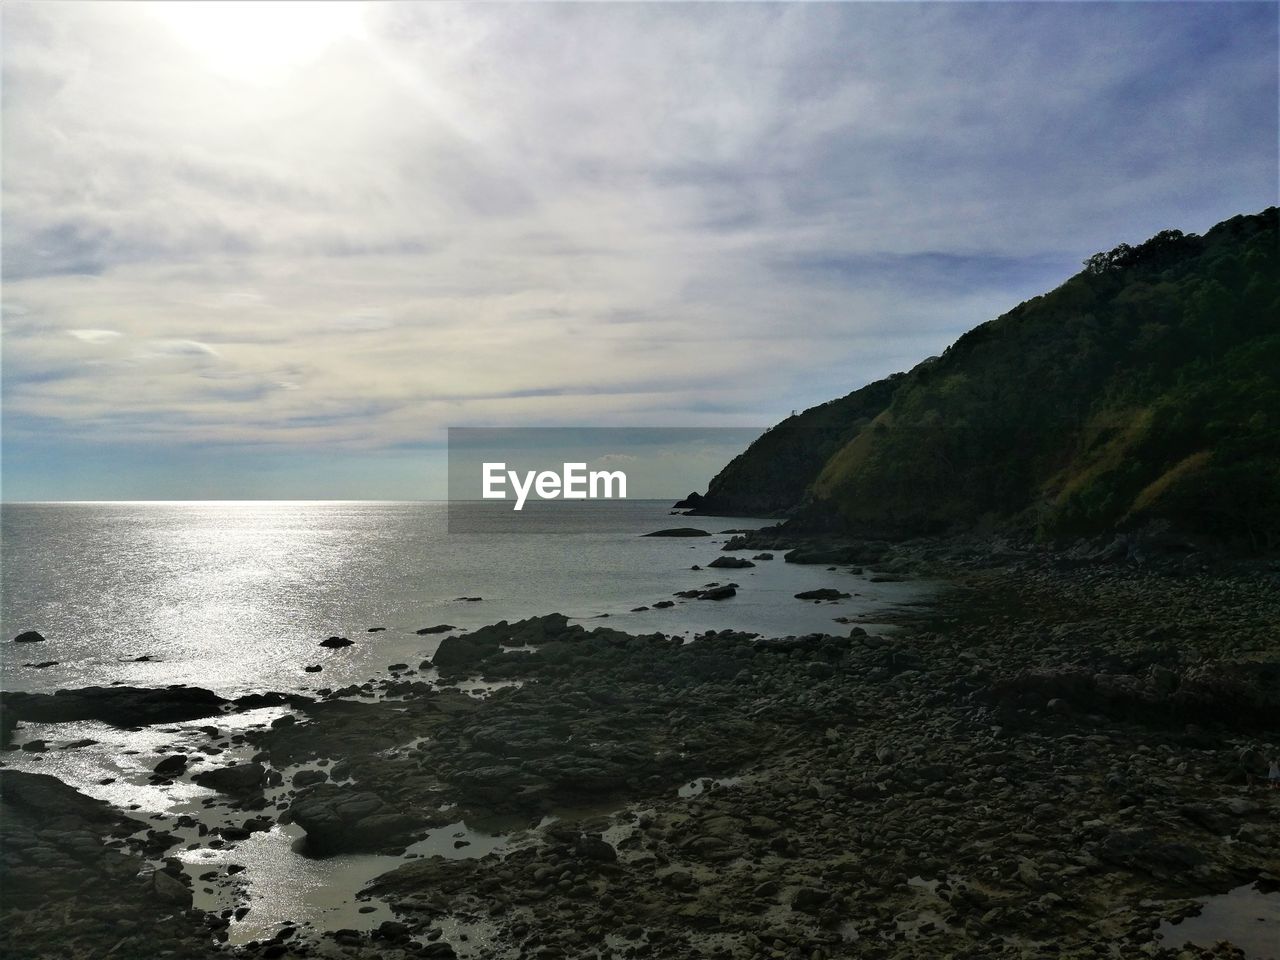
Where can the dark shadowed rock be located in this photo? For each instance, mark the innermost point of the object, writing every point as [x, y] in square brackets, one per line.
[342, 820]
[679, 532]
[731, 563]
[119, 706]
[456, 653]
[825, 593]
[240, 779]
[29, 636]
[173, 766]
[335, 643]
[438, 628]
[718, 593]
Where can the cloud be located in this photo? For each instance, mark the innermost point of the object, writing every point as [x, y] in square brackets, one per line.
[447, 214]
[95, 336]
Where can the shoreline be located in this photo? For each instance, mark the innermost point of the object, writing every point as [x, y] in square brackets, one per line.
[1012, 768]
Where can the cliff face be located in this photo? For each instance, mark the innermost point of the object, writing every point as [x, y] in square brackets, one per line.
[1146, 386]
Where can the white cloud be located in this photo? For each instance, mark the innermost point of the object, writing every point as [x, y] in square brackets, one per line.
[445, 214]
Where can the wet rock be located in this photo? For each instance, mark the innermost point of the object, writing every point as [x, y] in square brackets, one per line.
[170, 767]
[29, 636]
[169, 889]
[460, 653]
[306, 778]
[120, 706]
[679, 532]
[718, 593]
[336, 643]
[438, 628]
[824, 593]
[594, 848]
[731, 563]
[343, 820]
[242, 778]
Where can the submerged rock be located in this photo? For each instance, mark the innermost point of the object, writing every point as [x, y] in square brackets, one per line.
[824, 593]
[241, 778]
[119, 706]
[732, 563]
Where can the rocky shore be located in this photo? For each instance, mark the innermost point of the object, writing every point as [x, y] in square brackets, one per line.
[1066, 752]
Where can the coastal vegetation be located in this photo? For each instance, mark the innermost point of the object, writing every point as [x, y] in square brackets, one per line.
[1145, 387]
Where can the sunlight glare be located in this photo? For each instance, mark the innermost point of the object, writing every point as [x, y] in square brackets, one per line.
[260, 40]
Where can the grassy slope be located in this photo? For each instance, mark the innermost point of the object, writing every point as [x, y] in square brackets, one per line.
[1146, 386]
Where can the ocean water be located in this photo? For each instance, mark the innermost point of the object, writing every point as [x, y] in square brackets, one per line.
[236, 596]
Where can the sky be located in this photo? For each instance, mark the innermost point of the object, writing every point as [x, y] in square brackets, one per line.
[274, 250]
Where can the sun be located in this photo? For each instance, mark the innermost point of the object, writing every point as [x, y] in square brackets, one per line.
[258, 39]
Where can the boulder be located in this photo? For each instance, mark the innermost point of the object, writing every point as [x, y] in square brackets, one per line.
[173, 766]
[336, 643]
[825, 593]
[679, 532]
[732, 563]
[119, 706]
[241, 778]
[169, 889]
[342, 820]
[29, 636]
[438, 628]
[462, 653]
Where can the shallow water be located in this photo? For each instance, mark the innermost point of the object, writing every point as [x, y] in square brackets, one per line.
[1246, 916]
[236, 596]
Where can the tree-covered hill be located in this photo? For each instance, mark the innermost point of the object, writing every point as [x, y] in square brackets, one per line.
[1148, 385]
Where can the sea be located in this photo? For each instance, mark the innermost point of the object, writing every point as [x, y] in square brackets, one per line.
[237, 597]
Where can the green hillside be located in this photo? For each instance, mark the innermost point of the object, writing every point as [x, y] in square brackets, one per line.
[1148, 385]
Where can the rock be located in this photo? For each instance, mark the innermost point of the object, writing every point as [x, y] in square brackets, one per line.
[313, 668]
[29, 636]
[718, 593]
[305, 778]
[170, 889]
[438, 628]
[460, 653]
[732, 563]
[336, 643]
[170, 767]
[393, 930]
[241, 778]
[809, 899]
[340, 819]
[120, 706]
[594, 848]
[679, 532]
[691, 502]
[763, 556]
[664, 604]
[825, 593]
